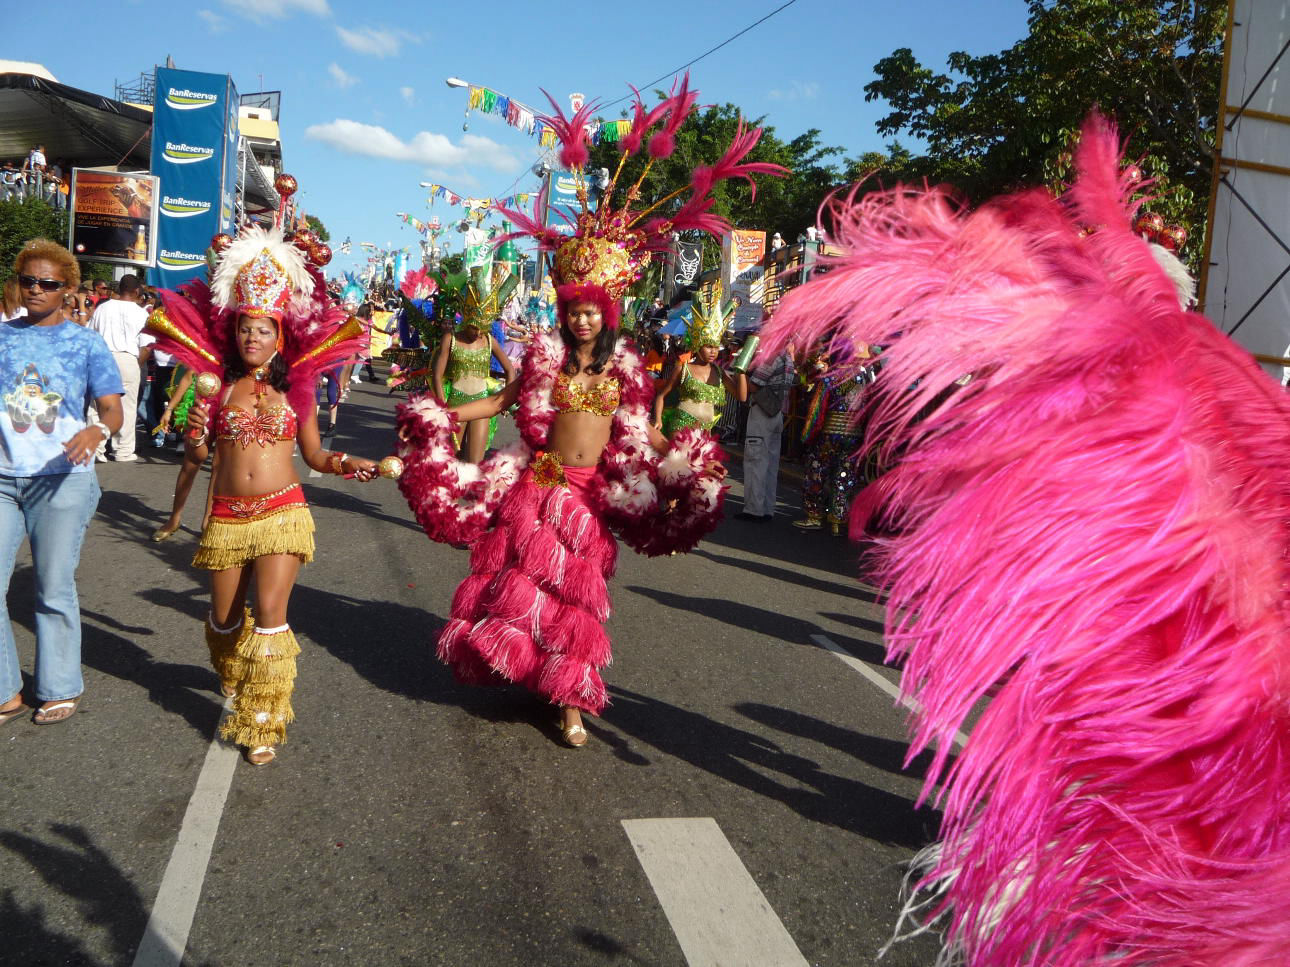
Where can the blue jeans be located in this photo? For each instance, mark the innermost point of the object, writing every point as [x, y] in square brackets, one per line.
[53, 511]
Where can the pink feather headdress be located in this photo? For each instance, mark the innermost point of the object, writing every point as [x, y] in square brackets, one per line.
[612, 243]
[259, 274]
[1087, 554]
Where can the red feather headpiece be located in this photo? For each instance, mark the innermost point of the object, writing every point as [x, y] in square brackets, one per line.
[612, 243]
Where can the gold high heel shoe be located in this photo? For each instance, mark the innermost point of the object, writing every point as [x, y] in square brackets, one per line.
[163, 533]
[261, 755]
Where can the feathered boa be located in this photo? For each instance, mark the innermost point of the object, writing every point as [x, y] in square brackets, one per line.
[655, 504]
[201, 335]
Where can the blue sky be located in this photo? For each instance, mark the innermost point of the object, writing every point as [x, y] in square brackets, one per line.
[366, 114]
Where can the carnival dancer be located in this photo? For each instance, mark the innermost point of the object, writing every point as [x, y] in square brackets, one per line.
[541, 515]
[831, 434]
[175, 418]
[462, 370]
[1086, 534]
[702, 385]
[267, 324]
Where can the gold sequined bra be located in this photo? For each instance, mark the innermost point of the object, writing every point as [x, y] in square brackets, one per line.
[569, 397]
[264, 428]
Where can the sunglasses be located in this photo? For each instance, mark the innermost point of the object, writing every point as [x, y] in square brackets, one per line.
[46, 285]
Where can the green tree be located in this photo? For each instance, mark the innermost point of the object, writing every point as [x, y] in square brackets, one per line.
[318, 228]
[1002, 121]
[21, 221]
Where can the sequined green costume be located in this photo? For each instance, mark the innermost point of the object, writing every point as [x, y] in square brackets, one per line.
[467, 363]
[692, 390]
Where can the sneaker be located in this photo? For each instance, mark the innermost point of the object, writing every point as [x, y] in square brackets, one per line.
[809, 523]
[130, 458]
[100, 458]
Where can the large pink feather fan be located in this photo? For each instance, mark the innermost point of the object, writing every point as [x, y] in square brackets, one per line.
[1085, 552]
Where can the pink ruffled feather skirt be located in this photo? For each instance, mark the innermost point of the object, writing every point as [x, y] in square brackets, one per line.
[532, 611]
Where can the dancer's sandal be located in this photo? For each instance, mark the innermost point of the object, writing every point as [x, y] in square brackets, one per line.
[575, 736]
[261, 755]
[163, 533]
[58, 712]
[228, 689]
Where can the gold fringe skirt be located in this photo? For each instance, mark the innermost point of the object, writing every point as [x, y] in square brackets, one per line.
[241, 529]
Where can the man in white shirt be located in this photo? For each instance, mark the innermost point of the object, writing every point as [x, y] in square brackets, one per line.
[120, 322]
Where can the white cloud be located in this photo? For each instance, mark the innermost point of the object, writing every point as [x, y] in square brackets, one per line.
[376, 41]
[797, 91]
[409, 95]
[425, 147]
[342, 77]
[214, 22]
[278, 9]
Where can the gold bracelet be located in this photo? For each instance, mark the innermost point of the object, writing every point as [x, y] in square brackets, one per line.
[336, 462]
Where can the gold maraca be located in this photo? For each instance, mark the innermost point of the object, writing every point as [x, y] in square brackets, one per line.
[390, 467]
[206, 385]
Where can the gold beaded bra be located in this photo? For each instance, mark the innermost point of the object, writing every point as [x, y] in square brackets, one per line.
[261, 427]
[569, 397]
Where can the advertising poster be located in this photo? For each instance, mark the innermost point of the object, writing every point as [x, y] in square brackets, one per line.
[742, 252]
[562, 200]
[194, 151]
[114, 217]
[381, 340]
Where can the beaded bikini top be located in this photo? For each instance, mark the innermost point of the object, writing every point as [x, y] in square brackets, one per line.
[569, 397]
[264, 427]
[695, 390]
[463, 363]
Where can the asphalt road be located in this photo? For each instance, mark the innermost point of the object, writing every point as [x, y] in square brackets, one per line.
[410, 820]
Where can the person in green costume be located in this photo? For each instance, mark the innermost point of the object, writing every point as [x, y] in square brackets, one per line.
[461, 365]
[701, 385]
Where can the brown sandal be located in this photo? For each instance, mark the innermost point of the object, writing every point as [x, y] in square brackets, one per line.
[13, 712]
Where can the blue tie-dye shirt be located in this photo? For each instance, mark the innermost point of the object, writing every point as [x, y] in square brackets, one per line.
[47, 376]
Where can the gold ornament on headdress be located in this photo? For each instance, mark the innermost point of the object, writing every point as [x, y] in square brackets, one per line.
[351, 328]
[161, 324]
[709, 322]
[483, 297]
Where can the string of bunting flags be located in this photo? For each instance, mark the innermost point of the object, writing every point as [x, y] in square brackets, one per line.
[521, 116]
[452, 198]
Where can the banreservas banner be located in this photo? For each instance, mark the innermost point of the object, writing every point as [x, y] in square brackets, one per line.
[194, 151]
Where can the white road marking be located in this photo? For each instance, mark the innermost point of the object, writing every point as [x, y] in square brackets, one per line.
[714, 907]
[166, 935]
[884, 683]
[313, 473]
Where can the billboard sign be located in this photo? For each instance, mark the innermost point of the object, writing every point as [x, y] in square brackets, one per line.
[562, 200]
[114, 217]
[741, 256]
[194, 153]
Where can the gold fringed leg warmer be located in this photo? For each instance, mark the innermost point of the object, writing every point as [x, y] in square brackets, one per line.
[262, 708]
[222, 643]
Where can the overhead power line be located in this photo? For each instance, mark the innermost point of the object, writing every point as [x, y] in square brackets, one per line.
[673, 73]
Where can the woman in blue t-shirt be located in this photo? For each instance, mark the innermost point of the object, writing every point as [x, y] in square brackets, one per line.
[49, 370]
